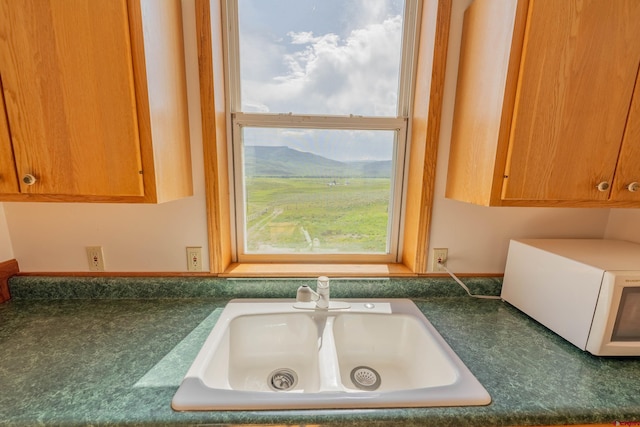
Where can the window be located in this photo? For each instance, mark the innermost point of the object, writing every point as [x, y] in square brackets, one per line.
[319, 96]
[433, 17]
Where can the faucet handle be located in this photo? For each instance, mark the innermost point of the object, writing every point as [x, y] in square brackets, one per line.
[323, 292]
[304, 294]
[323, 282]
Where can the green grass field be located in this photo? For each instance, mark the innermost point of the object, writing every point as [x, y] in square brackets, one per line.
[290, 214]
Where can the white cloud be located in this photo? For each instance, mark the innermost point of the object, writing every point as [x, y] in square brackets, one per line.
[256, 107]
[370, 12]
[344, 62]
[302, 37]
[327, 74]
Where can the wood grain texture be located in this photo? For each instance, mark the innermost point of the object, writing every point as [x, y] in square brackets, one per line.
[579, 66]
[69, 94]
[258, 270]
[628, 168]
[213, 111]
[311, 270]
[478, 135]
[86, 118]
[161, 92]
[116, 274]
[7, 269]
[8, 179]
[572, 203]
[423, 146]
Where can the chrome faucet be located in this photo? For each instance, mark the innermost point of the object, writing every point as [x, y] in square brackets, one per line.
[321, 297]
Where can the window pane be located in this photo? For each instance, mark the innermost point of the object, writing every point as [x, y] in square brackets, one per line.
[331, 57]
[317, 191]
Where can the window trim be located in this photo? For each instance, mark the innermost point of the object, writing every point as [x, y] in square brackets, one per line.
[422, 161]
[395, 124]
[283, 119]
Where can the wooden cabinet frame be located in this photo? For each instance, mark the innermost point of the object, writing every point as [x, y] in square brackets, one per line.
[488, 102]
[423, 146]
[149, 57]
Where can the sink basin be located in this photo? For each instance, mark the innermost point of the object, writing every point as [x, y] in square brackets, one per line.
[253, 346]
[275, 354]
[397, 346]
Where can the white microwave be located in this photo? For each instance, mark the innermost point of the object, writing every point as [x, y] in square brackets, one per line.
[585, 290]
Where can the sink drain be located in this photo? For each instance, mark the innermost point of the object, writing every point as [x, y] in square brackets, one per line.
[365, 378]
[282, 379]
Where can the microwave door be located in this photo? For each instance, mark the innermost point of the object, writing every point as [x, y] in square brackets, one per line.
[627, 324]
[615, 330]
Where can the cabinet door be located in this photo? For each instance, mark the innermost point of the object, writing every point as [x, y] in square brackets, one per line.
[577, 74]
[628, 170]
[8, 181]
[68, 87]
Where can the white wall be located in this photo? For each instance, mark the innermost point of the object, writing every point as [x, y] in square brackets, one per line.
[151, 238]
[624, 224]
[6, 249]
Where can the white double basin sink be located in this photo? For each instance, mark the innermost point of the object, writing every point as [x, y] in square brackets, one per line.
[276, 354]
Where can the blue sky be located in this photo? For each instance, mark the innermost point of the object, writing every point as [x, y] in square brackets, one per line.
[322, 57]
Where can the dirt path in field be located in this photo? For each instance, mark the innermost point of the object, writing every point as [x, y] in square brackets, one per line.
[258, 226]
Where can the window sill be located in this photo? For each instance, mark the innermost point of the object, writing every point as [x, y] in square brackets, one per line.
[310, 270]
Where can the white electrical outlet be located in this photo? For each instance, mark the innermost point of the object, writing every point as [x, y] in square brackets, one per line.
[439, 254]
[194, 258]
[95, 257]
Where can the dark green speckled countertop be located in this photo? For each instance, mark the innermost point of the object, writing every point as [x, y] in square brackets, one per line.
[105, 351]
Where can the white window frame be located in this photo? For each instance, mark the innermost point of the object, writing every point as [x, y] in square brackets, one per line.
[400, 124]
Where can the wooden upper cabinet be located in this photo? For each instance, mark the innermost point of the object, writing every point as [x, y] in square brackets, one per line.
[544, 93]
[8, 180]
[626, 184]
[95, 98]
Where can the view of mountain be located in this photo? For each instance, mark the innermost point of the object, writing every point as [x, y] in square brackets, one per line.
[283, 161]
